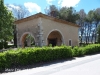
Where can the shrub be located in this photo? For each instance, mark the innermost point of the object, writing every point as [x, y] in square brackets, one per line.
[28, 56]
[5, 44]
[77, 51]
[91, 49]
[2, 61]
[1, 45]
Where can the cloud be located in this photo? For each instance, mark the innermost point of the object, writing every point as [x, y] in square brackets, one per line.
[32, 7]
[50, 1]
[68, 3]
[11, 7]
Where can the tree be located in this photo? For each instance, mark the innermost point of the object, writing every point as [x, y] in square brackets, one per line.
[97, 20]
[65, 13]
[81, 22]
[52, 11]
[68, 14]
[89, 28]
[98, 31]
[6, 23]
[19, 12]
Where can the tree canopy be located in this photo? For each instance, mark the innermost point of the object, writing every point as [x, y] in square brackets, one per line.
[6, 22]
[88, 21]
[19, 12]
[65, 13]
[98, 31]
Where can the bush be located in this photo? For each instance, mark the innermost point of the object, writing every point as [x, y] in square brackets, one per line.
[91, 49]
[28, 56]
[2, 61]
[1, 45]
[5, 44]
[77, 51]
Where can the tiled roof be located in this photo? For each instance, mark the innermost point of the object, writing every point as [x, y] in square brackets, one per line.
[47, 17]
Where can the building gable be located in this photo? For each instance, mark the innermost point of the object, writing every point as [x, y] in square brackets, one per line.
[46, 17]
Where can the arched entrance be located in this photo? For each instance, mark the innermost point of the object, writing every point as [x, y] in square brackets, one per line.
[27, 40]
[55, 38]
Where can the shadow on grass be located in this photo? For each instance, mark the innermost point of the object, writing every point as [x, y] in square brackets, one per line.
[17, 68]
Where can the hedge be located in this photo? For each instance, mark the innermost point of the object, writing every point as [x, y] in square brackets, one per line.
[87, 50]
[27, 56]
[3, 44]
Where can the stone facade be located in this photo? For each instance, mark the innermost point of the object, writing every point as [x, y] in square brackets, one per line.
[46, 30]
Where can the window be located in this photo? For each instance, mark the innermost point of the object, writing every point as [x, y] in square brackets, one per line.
[70, 42]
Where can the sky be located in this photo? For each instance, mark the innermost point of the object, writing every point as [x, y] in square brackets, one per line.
[35, 6]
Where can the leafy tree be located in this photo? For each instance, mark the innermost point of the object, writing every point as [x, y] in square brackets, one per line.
[81, 22]
[52, 11]
[98, 31]
[89, 26]
[65, 13]
[19, 12]
[97, 20]
[68, 14]
[88, 29]
[6, 23]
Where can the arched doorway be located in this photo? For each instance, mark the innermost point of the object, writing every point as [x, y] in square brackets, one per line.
[27, 40]
[55, 38]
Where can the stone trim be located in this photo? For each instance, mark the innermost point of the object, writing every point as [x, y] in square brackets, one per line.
[20, 41]
[59, 32]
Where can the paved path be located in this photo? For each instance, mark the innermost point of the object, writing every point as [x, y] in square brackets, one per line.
[89, 65]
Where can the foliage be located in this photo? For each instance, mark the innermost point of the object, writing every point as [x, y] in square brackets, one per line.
[68, 14]
[6, 23]
[76, 51]
[29, 39]
[89, 23]
[19, 12]
[1, 45]
[98, 31]
[28, 56]
[65, 13]
[89, 49]
[52, 11]
[97, 15]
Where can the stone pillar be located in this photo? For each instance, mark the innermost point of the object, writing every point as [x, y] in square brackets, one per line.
[41, 43]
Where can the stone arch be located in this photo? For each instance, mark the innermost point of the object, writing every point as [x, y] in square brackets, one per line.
[56, 36]
[23, 37]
